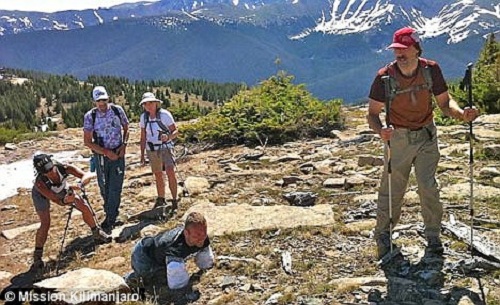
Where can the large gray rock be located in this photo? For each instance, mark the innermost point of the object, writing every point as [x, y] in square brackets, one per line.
[301, 198]
[12, 233]
[364, 160]
[85, 286]
[462, 190]
[196, 185]
[243, 217]
[10, 146]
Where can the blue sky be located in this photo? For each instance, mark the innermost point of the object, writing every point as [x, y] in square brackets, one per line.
[50, 6]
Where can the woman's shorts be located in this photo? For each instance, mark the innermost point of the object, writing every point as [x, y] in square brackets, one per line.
[159, 157]
[41, 202]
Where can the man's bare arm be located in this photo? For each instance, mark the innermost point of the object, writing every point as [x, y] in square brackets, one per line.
[373, 117]
[448, 106]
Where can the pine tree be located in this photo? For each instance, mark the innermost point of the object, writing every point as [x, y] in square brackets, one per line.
[486, 77]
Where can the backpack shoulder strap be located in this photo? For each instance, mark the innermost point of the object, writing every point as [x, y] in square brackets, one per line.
[93, 113]
[145, 114]
[113, 107]
[62, 168]
[45, 181]
[117, 112]
[160, 123]
[390, 71]
[427, 73]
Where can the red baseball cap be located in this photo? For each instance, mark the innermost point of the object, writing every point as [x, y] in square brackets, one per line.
[404, 38]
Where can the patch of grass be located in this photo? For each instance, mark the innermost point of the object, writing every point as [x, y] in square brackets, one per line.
[77, 261]
[496, 274]
[313, 287]
[226, 298]
[16, 136]
[355, 228]
[287, 298]
[494, 301]
[459, 246]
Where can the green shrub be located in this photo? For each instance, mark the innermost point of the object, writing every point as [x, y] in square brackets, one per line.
[7, 135]
[275, 111]
[15, 136]
[184, 112]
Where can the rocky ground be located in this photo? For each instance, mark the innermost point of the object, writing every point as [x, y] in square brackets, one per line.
[270, 248]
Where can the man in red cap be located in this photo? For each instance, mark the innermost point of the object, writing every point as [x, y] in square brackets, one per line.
[413, 82]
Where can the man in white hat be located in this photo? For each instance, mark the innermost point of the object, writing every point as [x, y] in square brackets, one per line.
[105, 132]
[158, 130]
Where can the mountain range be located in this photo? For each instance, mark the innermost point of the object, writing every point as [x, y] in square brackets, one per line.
[335, 47]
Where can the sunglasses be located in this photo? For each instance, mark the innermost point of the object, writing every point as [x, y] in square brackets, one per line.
[46, 171]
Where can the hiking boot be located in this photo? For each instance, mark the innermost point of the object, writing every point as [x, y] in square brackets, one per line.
[434, 245]
[160, 201]
[105, 226]
[100, 236]
[175, 204]
[384, 246]
[133, 281]
[38, 266]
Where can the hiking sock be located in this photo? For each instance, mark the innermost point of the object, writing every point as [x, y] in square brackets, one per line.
[99, 235]
[38, 254]
[37, 258]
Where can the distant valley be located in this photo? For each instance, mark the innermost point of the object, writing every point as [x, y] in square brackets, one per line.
[335, 47]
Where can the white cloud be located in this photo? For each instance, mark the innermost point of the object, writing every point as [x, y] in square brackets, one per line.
[50, 6]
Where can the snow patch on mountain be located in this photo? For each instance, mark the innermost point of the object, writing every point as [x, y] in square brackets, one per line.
[26, 21]
[59, 26]
[99, 18]
[457, 20]
[355, 18]
[9, 19]
[79, 23]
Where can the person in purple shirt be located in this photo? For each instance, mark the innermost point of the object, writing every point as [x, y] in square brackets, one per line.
[105, 132]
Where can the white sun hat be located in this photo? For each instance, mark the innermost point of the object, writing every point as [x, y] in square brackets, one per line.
[99, 93]
[149, 97]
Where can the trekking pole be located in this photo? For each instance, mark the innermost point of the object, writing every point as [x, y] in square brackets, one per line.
[101, 167]
[388, 100]
[185, 191]
[64, 237]
[86, 199]
[466, 84]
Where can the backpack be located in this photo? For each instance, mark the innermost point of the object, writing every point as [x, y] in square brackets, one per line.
[158, 121]
[94, 114]
[162, 127]
[393, 83]
[61, 168]
[113, 107]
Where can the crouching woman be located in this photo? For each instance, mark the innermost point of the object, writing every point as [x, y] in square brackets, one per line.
[51, 185]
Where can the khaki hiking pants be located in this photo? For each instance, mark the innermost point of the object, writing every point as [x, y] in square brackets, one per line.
[420, 149]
